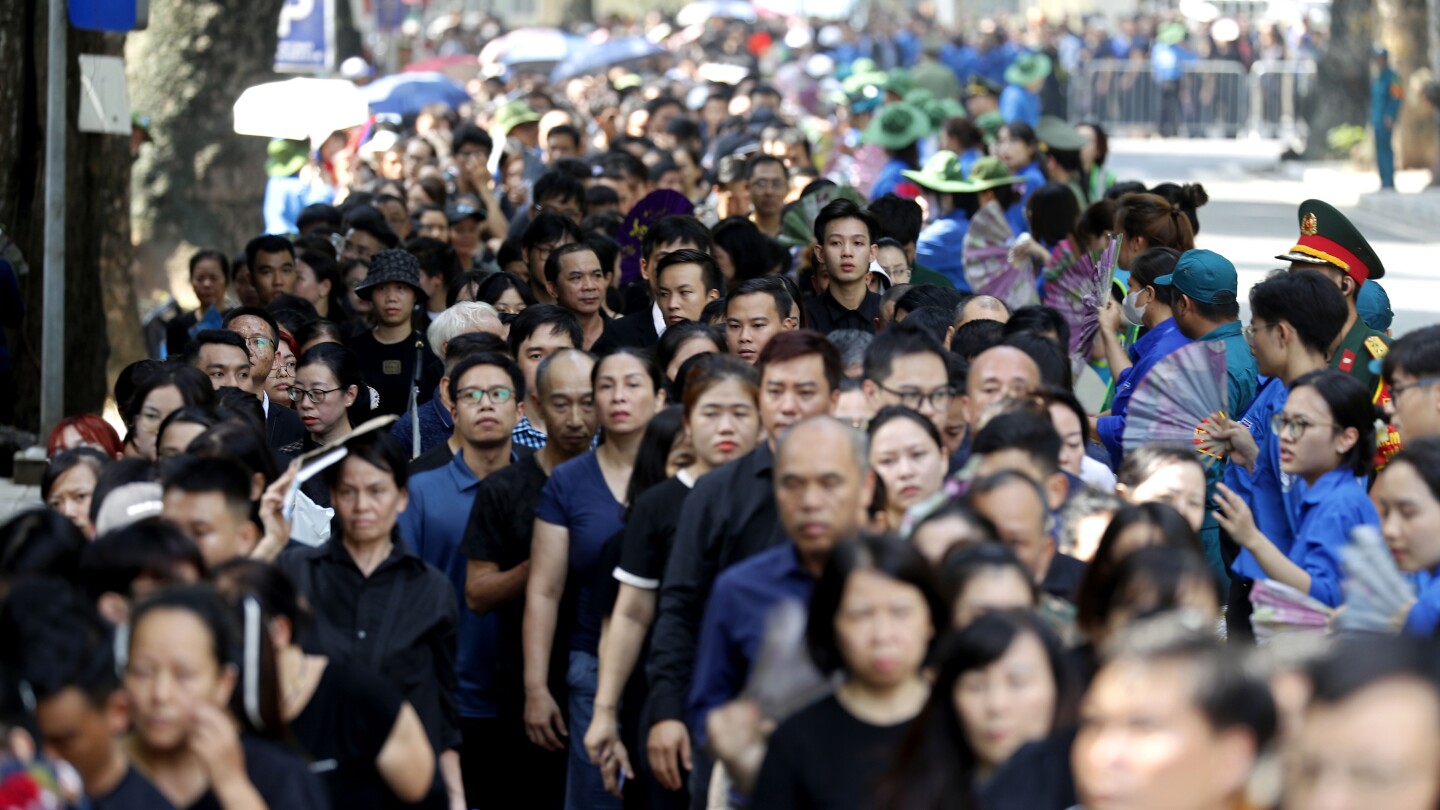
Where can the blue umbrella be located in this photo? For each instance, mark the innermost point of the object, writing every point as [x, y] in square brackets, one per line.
[409, 93]
[599, 57]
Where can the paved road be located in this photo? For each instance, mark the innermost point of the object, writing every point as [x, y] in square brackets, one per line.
[1251, 215]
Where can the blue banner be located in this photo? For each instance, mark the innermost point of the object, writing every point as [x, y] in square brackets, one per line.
[109, 15]
[307, 37]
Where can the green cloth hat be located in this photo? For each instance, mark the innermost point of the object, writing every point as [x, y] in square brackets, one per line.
[863, 73]
[990, 124]
[797, 227]
[512, 114]
[286, 158]
[1171, 33]
[898, 82]
[1027, 69]
[988, 173]
[1057, 134]
[941, 110]
[897, 126]
[942, 172]
[1328, 238]
[1205, 276]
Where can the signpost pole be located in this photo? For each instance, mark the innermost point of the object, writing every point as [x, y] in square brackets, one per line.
[52, 330]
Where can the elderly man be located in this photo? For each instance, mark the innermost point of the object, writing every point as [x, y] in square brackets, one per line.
[452, 328]
[997, 373]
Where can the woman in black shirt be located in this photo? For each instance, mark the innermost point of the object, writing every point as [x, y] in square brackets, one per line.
[722, 423]
[874, 616]
[180, 674]
[368, 738]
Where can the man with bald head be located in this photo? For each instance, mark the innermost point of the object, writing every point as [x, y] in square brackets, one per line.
[822, 478]
[982, 308]
[997, 373]
[497, 545]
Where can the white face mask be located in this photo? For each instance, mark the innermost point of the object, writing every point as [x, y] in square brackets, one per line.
[1134, 314]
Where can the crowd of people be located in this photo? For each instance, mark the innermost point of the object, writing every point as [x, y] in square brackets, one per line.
[629, 444]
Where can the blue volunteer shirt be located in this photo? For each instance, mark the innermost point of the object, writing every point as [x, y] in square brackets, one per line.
[577, 498]
[1147, 351]
[1015, 214]
[1328, 511]
[1424, 617]
[941, 247]
[1266, 489]
[434, 524]
[734, 625]
[1019, 104]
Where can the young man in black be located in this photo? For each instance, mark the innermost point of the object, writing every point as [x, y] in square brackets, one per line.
[846, 237]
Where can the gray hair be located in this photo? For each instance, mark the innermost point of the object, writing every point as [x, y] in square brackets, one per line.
[461, 319]
[851, 343]
[859, 439]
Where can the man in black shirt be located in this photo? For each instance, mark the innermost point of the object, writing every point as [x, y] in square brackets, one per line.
[906, 366]
[261, 334]
[729, 516]
[643, 327]
[846, 234]
[390, 353]
[575, 279]
[497, 542]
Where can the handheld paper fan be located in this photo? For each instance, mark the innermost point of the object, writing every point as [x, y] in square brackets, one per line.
[1282, 610]
[783, 679]
[1175, 398]
[1078, 288]
[1377, 595]
[987, 260]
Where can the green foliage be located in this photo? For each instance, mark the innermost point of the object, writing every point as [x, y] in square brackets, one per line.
[1344, 138]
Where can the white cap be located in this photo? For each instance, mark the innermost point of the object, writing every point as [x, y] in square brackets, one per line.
[881, 272]
[356, 68]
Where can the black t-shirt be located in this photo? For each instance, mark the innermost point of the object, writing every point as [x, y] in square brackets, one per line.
[637, 555]
[389, 368]
[279, 776]
[134, 792]
[824, 757]
[502, 522]
[343, 728]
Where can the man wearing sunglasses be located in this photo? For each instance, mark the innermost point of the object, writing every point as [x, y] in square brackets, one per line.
[261, 333]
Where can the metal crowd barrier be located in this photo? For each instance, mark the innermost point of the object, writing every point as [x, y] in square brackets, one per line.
[1211, 99]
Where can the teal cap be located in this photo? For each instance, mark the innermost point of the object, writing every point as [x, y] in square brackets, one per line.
[1205, 276]
[1373, 306]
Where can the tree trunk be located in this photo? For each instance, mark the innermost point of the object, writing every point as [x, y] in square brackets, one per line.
[1405, 31]
[1341, 91]
[97, 243]
[198, 184]
[1433, 26]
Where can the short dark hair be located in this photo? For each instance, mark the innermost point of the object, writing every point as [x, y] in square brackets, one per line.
[1223, 691]
[600, 197]
[493, 285]
[710, 274]
[972, 338]
[267, 243]
[567, 131]
[607, 250]
[844, 209]
[554, 185]
[933, 321]
[318, 214]
[672, 229]
[436, 258]
[928, 295]
[1144, 461]
[883, 554]
[1037, 319]
[54, 640]
[1152, 264]
[254, 312]
[898, 218]
[552, 262]
[1053, 362]
[152, 548]
[796, 343]
[1416, 354]
[1052, 212]
[215, 256]
[764, 285]
[556, 318]
[197, 474]
[1361, 661]
[1215, 313]
[472, 343]
[500, 361]
[378, 449]
[761, 159]
[220, 337]
[366, 219]
[469, 133]
[618, 164]
[1031, 433]
[895, 343]
[677, 335]
[1306, 300]
[548, 227]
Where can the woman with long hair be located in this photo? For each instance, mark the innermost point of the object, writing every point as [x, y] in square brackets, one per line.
[582, 506]
[721, 423]
[909, 459]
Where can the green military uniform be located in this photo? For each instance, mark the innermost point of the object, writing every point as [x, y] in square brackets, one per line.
[1328, 239]
[1057, 135]
[920, 274]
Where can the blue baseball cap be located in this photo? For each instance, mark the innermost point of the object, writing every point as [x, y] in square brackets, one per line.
[1205, 276]
[1373, 306]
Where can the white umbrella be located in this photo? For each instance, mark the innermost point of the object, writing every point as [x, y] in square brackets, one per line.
[298, 109]
[725, 9]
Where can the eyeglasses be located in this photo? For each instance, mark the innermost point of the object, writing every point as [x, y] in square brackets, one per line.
[939, 399]
[498, 395]
[768, 183]
[316, 395]
[283, 369]
[1397, 390]
[1249, 331]
[1295, 429]
[259, 342]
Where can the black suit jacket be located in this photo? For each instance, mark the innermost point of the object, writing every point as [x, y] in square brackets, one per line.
[636, 331]
[283, 427]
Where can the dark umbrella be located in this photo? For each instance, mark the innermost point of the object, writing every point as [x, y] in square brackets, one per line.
[409, 93]
[598, 57]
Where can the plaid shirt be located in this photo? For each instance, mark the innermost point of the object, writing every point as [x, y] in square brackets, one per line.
[527, 435]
